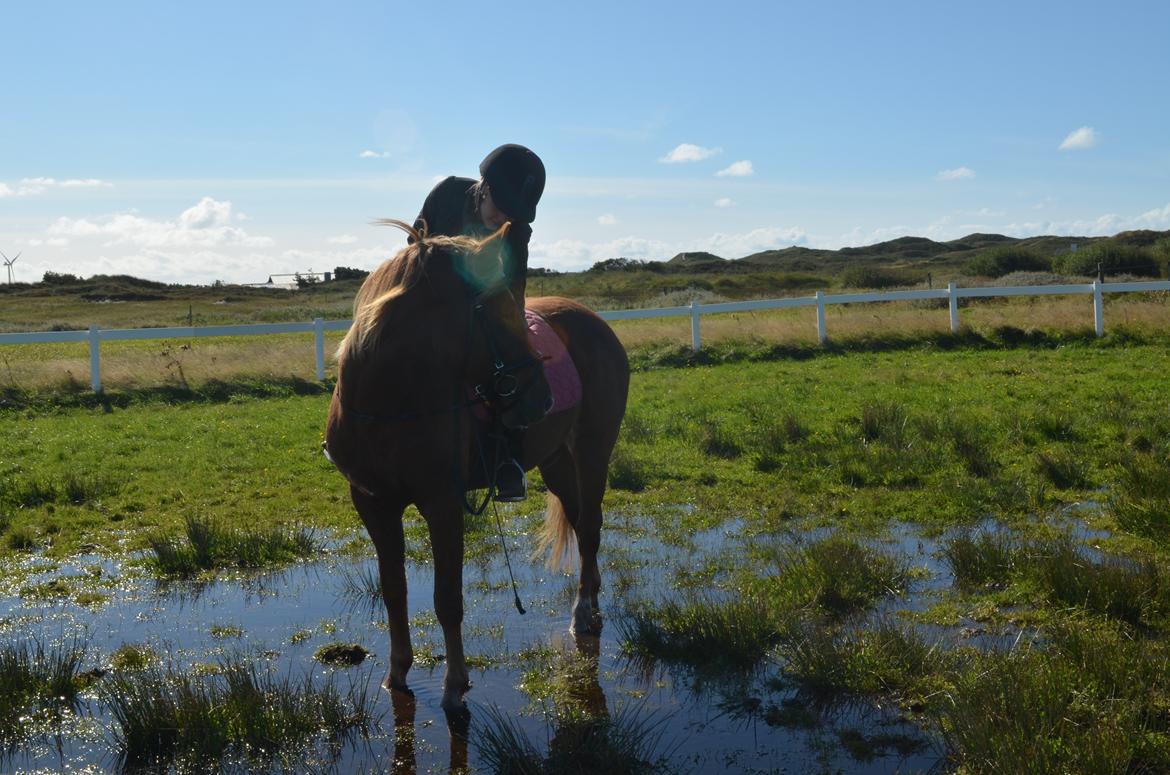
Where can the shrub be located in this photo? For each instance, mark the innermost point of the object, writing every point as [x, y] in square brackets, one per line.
[999, 261]
[872, 277]
[1113, 257]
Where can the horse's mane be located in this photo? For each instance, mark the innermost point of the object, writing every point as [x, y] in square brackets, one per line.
[397, 276]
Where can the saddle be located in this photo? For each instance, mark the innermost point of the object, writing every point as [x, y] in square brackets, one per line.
[559, 369]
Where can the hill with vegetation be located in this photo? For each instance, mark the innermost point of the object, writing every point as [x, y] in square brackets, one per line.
[63, 301]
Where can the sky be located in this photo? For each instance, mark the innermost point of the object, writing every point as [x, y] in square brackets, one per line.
[230, 141]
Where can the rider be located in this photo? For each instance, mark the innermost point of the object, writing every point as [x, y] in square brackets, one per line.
[509, 188]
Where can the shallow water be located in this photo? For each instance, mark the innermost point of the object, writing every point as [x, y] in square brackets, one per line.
[738, 726]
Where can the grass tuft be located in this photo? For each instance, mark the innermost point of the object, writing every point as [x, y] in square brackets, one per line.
[627, 472]
[1140, 500]
[700, 632]
[164, 718]
[838, 575]
[37, 686]
[210, 545]
[1064, 469]
[626, 742]
[716, 441]
[984, 558]
[1133, 591]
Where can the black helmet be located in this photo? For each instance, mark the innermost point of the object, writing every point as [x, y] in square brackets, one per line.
[516, 178]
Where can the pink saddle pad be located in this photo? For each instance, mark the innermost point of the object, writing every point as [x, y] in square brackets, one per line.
[559, 369]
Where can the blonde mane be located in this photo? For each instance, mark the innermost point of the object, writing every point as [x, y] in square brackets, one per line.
[396, 277]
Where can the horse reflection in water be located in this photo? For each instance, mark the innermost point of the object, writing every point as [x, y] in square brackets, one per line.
[586, 696]
[432, 327]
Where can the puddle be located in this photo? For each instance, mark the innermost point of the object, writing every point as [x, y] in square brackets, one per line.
[283, 617]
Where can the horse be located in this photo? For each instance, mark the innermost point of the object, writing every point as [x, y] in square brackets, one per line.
[437, 333]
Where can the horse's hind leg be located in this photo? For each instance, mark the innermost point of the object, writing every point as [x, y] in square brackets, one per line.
[580, 507]
[383, 522]
[559, 474]
[591, 481]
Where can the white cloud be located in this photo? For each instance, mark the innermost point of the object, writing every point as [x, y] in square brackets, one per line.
[959, 173]
[687, 152]
[205, 224]
[86, 183]
[607, 220]
[740, 169]
[35, 186]
[724, 202]
[1101, 226]
[572, 255]
[1080, 139]
[368, 154]
[342, 239]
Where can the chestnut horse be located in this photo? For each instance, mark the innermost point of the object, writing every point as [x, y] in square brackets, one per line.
[436, 329]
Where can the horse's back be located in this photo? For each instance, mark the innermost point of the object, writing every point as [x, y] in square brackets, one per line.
[597, 353]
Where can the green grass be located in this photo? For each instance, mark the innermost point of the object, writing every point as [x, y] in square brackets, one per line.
[37, 685]
[984, 558]
[836, 575]
[210, 545]
[626, 742]
[164, 718]
[1094, 702]
[706, 634]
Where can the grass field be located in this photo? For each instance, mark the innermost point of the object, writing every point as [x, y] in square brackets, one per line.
[1034, 482]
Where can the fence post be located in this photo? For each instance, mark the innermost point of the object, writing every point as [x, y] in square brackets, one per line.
[95, 359]
[821, 335]
[1098, 309]
[953, 300]
[694, 326]
[319, 335]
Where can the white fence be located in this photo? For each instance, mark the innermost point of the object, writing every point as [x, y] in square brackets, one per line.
[95, 336]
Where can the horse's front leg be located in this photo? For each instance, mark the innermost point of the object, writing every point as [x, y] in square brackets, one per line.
[383, 521]
[445, 522]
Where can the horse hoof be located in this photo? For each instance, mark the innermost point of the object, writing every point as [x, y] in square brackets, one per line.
[586, 625]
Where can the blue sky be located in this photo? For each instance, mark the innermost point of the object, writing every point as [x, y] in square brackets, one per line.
[230, 141]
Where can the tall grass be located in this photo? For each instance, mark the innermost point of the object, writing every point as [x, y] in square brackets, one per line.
[626, 742]
[37, 684]
[1140, 497]
[701, 632]
[1092, 702]
[210, 545]
[888, 661]
[164, 718]
[983, 558]
[1133, 591]
[838, 575]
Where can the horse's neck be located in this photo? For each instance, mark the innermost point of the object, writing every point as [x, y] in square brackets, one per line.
[402, 379]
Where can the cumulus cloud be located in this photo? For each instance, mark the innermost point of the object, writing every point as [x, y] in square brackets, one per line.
[740, 169]
[342, 239]
[959, 173]
[724, 202]
[1080, 139]
[205, 224]
[368, 154]
[607, 220]
[687, 152]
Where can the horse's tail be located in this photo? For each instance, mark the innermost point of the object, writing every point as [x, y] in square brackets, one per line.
[556, 536]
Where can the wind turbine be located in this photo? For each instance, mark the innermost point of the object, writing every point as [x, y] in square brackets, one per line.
[8, 262]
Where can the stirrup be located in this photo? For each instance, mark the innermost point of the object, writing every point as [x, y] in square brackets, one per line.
[511, 484]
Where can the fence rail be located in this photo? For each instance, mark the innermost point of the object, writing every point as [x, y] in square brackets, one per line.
[94, 336]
